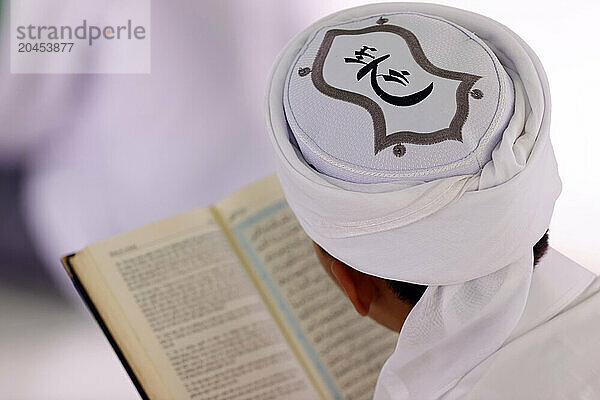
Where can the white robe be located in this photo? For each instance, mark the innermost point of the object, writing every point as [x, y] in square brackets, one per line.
[554, 352]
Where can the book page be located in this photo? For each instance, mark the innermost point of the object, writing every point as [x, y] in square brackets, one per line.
[197, 321]
[346, 351]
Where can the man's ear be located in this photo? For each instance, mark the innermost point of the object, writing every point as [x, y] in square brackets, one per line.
[358, 286]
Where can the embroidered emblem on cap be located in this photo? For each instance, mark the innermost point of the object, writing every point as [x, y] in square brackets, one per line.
[372, 61]
[397, 96]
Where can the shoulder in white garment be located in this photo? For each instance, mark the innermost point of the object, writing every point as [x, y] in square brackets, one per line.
[554, 352]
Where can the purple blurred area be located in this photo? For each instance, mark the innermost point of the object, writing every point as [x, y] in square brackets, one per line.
[84, 157]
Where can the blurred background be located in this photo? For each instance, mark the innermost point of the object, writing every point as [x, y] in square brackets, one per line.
[84, 157]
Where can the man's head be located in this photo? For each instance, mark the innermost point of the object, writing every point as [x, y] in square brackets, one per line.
[386, 301]
[412, 142]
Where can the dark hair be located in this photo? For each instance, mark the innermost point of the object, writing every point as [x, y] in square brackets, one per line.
[411, 293]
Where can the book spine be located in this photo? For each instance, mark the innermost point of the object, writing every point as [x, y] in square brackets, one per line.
[66, 261]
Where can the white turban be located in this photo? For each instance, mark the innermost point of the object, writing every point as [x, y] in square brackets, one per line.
[469, 236]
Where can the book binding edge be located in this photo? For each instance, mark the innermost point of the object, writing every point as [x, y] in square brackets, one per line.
[66, 262]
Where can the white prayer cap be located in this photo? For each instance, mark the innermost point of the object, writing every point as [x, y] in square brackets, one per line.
[406, 96]
[497, 210]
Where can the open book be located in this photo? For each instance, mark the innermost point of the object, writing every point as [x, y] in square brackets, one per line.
[229, 302]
